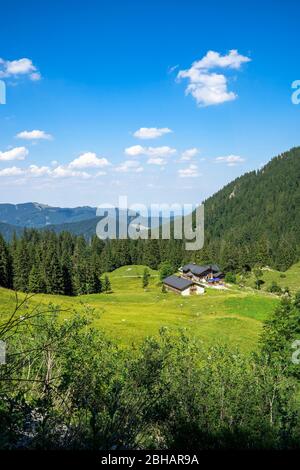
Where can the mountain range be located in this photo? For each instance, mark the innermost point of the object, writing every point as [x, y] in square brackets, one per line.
[78, 220]
[35, 215]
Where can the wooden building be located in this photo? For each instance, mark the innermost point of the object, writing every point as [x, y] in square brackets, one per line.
[182, 286]
[209, 273]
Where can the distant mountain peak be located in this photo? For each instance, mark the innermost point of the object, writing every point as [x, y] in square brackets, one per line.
[38, 215]
[38, 205]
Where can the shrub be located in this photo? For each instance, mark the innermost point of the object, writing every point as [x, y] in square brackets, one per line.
[165, 270]
[275, 288]
[67, 386]
[230, 278]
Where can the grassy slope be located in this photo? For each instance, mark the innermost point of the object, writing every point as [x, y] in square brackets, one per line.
[130, 313]
[289, 278]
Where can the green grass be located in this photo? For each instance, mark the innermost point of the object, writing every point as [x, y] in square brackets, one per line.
[289, 278]
[130, 313]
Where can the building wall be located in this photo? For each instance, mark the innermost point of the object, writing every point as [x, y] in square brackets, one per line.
[200, 290]
[171, 289]
[186, 291]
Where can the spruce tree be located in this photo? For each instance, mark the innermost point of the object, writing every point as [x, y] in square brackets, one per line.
[93, 282]
[21, 265]
[5, 262]
[151, 254]
[66, 266]
[146, 277]
[107, 285]
[57, 282]
[36, 282]
[54, 274]
[80, 267]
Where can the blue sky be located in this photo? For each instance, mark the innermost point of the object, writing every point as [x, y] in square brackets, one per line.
[97, 72]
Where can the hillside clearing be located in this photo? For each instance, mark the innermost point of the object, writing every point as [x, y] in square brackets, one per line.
[289, 278]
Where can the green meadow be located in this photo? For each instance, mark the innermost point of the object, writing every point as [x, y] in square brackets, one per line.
[289, 278]
[130, 313]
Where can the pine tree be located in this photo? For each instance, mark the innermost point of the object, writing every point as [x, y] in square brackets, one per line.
[165, 270]
[106, 284]
[97, 284]
[66, 266]
[36, 282]
[97, 246]
[80, 267]
[54, 276]
[93, 281]
[21, 265]
[151, 255]
[146, 277]
[172, 251]
[5, 262]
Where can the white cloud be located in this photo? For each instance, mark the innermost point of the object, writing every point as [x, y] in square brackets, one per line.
[38, 171]
[213, 59]
[137, 150]
[190, 172]
[188, 154]
[129, 165]
[17, 68]
[156, 161]
[164, 151]
[34, 135]
[151, 132]
[11, 171]
[56, 170]
[230, 160]
[17, 153]
[210, 88]
[157, 155]
[65, 172]
[88, 160]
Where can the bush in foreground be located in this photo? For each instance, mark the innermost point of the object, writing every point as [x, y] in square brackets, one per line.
[68, 386]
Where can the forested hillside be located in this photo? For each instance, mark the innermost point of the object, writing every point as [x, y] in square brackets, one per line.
[43, 261]
[253, 221]
[8, 231]
[256, 218]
